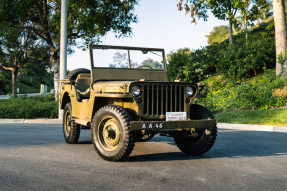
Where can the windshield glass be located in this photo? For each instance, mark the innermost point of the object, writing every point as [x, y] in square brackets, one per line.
[133, 59]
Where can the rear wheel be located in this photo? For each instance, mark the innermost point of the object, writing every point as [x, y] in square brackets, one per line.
[110, 133]
[204, 139]
[71, 130]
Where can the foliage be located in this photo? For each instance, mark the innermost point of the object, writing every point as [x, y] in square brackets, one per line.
[222, 9]
[234, 62]
[29, 107]
[250, 10]
[247, 59]
[197, 9]
[27, 83]
[268, 117]
[87, 20]
[281, 59]
[254, 93]
[3, 81]
[266, 12]
[280, 92]
[15, 46]
[218, 34]
[193, 66]
[20, 49]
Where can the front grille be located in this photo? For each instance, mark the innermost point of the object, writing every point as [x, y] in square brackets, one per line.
[159, 99]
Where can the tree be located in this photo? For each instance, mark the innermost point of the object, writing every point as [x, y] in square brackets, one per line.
[218, 34]
[88, 20]
[280, 32]
[221, 9]
[15, 45]
[266, 12]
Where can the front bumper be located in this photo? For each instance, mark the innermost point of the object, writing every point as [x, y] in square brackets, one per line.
[159, 126]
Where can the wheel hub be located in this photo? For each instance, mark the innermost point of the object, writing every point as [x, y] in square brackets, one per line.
[109, 134]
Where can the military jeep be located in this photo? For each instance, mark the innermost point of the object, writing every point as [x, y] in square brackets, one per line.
[126, 97]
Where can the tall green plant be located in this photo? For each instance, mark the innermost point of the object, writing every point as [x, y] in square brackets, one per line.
[281, 59]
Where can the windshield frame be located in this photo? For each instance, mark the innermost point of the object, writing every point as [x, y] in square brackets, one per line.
[93, 66]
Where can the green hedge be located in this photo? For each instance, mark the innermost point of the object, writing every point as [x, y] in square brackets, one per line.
[29, 107]
[256, 93]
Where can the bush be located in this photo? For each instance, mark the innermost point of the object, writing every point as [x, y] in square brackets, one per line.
[256, 93]
[192, 66]
[247, 58]
[29, 107]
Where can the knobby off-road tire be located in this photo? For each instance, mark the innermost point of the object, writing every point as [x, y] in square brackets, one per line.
[71, 130]
[74, 73]
[110, 132]
[206, 138]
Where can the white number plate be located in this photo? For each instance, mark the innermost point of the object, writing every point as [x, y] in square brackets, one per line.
[175, 116]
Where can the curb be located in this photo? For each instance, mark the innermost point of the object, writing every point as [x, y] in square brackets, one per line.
[39, 121]
[247, 127]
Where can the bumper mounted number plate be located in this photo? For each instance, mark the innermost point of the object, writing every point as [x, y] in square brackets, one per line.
[175, 116]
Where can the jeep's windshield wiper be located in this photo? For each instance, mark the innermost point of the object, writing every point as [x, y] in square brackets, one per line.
[155, 53]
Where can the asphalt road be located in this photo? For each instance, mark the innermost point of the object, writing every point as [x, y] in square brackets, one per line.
[36, 157]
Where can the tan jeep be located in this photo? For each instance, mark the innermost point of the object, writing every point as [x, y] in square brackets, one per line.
[126, 97]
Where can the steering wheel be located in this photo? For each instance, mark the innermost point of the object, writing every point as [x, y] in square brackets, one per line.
[145, 66]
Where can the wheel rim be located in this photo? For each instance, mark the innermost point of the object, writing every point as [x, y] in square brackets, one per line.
[109, 133]
[67, 125]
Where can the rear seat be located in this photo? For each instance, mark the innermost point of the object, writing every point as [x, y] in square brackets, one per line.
[82, 84]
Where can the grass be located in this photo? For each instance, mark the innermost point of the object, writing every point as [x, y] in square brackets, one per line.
[276, 117]
[27, 84]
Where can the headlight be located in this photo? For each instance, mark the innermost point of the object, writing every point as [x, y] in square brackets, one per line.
[189, 91]
[136, 91]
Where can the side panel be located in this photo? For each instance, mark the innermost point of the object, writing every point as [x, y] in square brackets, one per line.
[82, 110]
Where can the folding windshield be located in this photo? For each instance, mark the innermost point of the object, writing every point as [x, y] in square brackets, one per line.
[127, 57]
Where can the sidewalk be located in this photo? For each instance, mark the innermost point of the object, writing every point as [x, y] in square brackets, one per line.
[43, 121]
[244, 127]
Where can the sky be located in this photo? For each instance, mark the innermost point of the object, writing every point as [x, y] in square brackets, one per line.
[160, 25]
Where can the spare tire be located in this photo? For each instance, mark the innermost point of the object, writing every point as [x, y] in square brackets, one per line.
[74, 73]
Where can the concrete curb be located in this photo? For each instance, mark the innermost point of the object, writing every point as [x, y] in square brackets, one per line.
[244, 127]
[40, 121]
[247, 127]
[12, 120]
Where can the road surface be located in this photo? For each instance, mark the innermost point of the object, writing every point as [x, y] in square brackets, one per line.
[36, 157]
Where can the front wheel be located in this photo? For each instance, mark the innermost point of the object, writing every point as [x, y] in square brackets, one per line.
[71, 130]
[110, 133]
[205, 137]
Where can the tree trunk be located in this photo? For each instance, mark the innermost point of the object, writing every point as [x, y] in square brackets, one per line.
[230, 32]
[280, 32]
[14, 81]
[55, 62]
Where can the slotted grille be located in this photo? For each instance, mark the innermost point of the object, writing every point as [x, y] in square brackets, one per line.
[159, 99]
